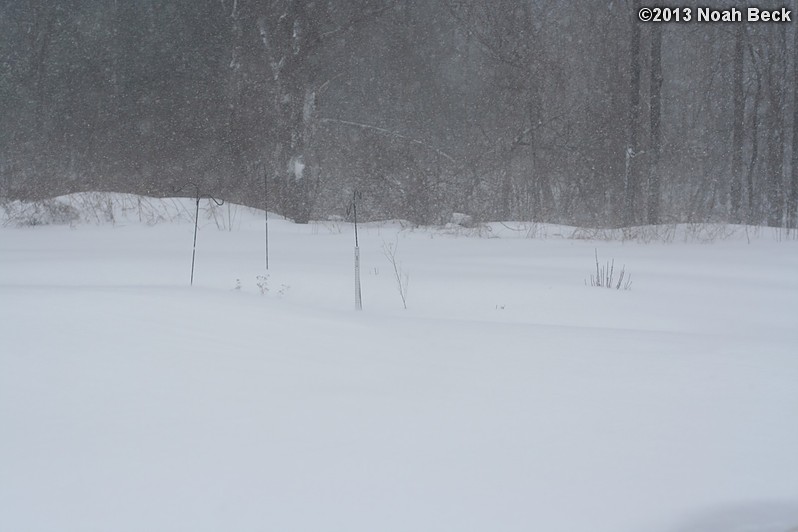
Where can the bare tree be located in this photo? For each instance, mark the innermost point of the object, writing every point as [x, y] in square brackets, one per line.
[792, 197]
[632, 168]
[738, 124]
[295, 36]
[776, 77]
[655, 119]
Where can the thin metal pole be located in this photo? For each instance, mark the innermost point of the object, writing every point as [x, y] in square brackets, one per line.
[354, 208]
[358, 298]
[200, 195]
[194, 251]
[266, 212]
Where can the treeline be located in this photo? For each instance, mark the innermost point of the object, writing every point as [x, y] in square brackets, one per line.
[555, 111]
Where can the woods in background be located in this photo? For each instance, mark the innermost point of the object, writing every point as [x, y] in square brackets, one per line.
[570, 112]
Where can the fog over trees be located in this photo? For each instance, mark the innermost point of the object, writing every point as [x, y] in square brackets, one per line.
[552, 111]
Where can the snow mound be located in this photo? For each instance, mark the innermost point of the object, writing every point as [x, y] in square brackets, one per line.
[109, 208]
[101, 208]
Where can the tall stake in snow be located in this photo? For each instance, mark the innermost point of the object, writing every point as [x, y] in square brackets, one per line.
[358, 300]
[199, 196]
[194, 250]
[266, 212]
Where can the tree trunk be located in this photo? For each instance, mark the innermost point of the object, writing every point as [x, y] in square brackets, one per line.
[294, 161]
[632, 177]
[775, 160]
[792, 197]
[655, 118]
[737, 125]
[286, 35]
[752, 211]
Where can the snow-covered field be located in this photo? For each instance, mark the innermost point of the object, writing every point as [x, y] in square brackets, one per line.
[509, 396]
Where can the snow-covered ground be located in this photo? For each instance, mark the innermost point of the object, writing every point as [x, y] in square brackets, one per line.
[509, 396]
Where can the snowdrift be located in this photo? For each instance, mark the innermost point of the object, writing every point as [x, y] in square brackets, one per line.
[510, 395]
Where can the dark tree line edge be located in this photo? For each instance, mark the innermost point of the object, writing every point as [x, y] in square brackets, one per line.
[550, 111]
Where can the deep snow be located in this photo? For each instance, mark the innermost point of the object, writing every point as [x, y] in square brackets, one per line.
[509, 396]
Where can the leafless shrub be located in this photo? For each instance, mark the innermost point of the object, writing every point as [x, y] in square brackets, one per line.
[402, 278]
[605, 276]
[44, 212]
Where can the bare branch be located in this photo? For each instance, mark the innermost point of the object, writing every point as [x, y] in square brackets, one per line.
[392, 134]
